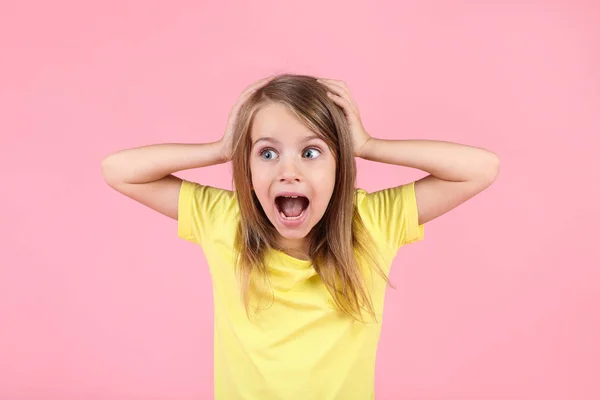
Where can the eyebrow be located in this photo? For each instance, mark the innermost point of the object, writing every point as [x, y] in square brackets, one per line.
[273, 140]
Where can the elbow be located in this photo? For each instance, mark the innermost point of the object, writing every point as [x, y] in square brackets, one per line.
[491, 168]
[485, 171]
[495, 165]
[108, 170]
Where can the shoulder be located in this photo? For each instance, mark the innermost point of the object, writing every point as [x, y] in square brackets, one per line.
[208, 197]
[392, 212]
[205, 212]
[392, 197]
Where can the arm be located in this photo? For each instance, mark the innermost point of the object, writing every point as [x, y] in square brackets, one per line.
[144, 173]
[457, 172]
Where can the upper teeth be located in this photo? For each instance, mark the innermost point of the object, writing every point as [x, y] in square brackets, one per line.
[293, 197]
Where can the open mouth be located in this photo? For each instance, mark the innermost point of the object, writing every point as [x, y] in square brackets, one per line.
[291, 207]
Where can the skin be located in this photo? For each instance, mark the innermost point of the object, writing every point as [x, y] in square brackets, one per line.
[287, 156]
[456, 172]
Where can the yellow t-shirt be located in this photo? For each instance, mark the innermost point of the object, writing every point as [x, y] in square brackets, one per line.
[299, 347]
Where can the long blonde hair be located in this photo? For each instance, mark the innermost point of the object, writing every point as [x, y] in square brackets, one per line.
[337, 238]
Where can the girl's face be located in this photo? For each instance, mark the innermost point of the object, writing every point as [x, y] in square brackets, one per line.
[293, 173]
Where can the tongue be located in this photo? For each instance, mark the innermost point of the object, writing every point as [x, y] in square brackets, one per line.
[292, 207]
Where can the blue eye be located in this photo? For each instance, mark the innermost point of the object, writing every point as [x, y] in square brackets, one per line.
[317, 152]
[267, 151]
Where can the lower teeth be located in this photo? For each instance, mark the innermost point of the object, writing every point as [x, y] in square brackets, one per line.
[292, 218]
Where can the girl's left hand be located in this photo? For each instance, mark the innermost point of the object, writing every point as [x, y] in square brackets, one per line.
[340, 94]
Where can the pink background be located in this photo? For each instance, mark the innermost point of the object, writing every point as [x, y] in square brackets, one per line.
[99, 299]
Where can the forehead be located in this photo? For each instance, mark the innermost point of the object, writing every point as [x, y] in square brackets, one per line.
[277, 121]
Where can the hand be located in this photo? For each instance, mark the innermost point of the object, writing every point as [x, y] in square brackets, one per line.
[226, 141]
[340, 94]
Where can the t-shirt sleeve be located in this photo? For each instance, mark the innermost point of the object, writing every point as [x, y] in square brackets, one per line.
[201, 210]
[393, 212]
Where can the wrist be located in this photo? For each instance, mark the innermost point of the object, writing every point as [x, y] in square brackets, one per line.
[365, 148]
[223, 151]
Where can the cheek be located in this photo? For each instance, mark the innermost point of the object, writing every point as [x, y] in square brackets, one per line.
[260, 183]
[255, 172]
[328, 176]
[324, 183]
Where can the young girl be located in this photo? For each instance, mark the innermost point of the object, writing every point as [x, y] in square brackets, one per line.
[299, 256]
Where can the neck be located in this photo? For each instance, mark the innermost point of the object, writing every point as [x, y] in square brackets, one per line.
[298, 248]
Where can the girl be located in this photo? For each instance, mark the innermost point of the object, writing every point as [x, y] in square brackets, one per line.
[298, 256]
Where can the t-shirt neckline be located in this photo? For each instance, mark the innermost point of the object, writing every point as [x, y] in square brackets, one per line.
[293, 260]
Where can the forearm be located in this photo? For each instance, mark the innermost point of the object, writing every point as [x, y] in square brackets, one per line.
[444, 160]
[153, 162]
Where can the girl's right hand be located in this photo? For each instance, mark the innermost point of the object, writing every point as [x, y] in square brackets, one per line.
[227, 139]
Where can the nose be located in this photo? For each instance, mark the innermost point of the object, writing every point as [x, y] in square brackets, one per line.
[289, 170]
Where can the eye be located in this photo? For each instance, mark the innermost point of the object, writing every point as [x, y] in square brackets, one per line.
[314, 151]
[267, 154]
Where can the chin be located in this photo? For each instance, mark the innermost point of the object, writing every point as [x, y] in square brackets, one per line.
[293, 235]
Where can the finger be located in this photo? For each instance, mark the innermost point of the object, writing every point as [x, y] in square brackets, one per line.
[254, 87]
[342, 102]
[331, 80]
[341, 91]
[341, 84]
[265, 80]
[334, 84]
[347, 98]
[258, 84]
